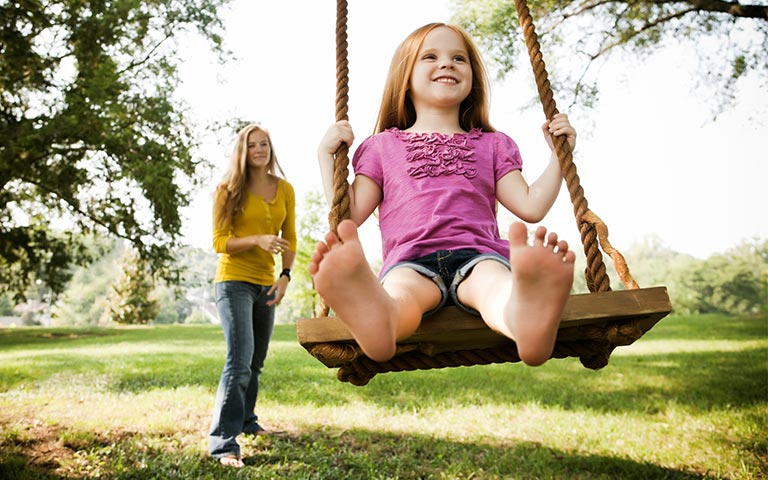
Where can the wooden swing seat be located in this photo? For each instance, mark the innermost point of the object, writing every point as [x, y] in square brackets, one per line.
[592, 326]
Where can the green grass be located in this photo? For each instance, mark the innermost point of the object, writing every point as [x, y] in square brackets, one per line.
[687, 401]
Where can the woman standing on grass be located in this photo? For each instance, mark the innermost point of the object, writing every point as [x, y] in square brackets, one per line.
[253, 220]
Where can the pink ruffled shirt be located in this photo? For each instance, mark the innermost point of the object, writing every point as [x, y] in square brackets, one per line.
[439, 191]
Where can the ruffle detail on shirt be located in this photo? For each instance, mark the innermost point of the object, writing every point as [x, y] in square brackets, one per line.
[435, 154]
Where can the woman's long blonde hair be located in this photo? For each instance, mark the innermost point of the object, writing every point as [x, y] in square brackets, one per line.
[234, 186]
[397, 108]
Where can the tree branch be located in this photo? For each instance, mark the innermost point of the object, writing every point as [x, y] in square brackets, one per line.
[734, 9]
[146, 58]
[85, 215]
[648, 26]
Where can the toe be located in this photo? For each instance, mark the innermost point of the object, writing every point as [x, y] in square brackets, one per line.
[518, 234]
[552, 240]
[347, 231]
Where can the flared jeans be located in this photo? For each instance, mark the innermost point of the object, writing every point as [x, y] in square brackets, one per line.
[247, 322]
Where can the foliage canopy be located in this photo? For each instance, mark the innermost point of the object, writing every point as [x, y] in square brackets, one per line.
[91, 136]
[730, 38]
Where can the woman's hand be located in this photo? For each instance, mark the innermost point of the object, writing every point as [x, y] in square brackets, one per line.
[279, 288]
[272, 243]
[559, 125]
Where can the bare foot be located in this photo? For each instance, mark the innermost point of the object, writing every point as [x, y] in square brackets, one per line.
[542, 278]
[231, 461]
[348, 285]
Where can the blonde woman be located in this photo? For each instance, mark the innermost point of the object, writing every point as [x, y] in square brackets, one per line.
[253, 221]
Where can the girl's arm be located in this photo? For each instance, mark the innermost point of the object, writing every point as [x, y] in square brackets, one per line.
[531, 202]
[364, 193]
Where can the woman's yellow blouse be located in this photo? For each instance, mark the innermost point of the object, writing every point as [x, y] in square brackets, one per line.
[259, 217]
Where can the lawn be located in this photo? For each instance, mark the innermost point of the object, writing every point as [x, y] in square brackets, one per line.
[687, 401]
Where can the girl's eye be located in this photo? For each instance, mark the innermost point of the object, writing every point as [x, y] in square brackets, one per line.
[459, 58]
[429, 56]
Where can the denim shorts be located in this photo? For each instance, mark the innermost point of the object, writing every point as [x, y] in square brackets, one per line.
[448, 268]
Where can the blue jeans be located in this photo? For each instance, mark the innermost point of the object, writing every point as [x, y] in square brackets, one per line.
[247, 323]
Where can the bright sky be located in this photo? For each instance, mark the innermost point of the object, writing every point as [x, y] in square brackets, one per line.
[651, 159]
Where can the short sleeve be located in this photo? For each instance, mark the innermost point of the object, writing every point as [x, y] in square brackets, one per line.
[367, 160]
[506, 156]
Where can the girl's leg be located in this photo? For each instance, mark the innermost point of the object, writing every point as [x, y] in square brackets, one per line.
[526, 302]
[376, 315]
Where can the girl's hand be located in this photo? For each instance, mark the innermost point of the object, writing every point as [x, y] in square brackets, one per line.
[272, 243]
[338, 133]
[279, 288]
[559, 125]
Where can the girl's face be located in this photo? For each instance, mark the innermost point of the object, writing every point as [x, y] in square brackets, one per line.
[442, 74]
[258, 152]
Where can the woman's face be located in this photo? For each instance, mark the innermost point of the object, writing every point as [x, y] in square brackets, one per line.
[258, 152]
[442, 74]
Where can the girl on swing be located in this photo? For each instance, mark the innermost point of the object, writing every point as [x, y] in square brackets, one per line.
[435, 169]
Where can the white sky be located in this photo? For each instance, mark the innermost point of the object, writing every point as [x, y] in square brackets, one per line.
[651, 160]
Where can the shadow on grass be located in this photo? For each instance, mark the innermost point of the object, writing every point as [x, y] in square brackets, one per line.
[645, 383]
[648, 384]
[16, 467]
[332, 454]
[367, 454]
[44, 337]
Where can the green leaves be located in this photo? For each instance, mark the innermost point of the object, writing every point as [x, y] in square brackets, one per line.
[90, 132]
[584, 34]
[130, 300]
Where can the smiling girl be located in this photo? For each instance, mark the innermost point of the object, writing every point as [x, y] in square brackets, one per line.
[435, 169]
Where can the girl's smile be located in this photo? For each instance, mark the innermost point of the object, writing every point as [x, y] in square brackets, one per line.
[445, 79]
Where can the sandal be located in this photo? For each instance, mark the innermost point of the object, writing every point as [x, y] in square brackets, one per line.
[231, 460]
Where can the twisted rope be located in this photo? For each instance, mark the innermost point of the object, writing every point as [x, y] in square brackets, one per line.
[593, 353]
[340, 205]
[597, 279]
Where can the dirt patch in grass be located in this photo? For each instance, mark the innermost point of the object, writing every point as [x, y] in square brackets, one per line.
[52, 451]
[38, 445]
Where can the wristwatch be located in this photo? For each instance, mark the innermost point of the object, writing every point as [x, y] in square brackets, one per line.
[286, 273]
